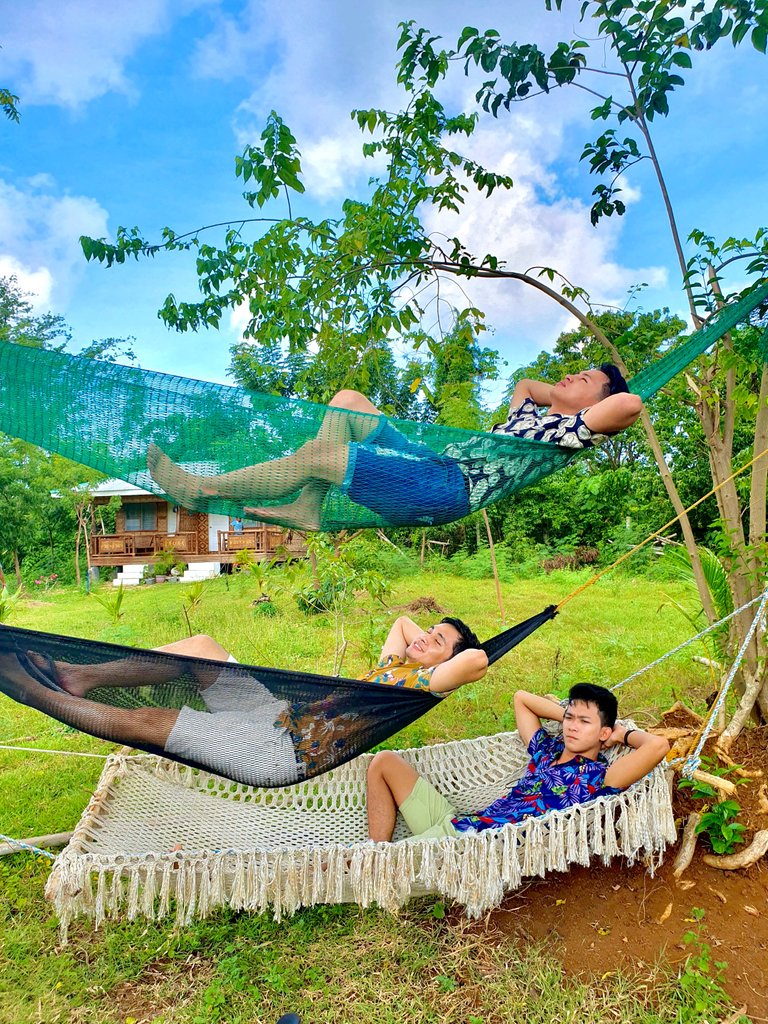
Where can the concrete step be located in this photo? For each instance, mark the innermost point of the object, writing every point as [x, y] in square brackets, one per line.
[200, 571]
[129, 576]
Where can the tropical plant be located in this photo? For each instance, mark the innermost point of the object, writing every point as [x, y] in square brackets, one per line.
[257, 569]
[676, 565]
[191, 602]
[701, 988]
[112, 601]
[8, 602]
[331, 582]
[718, 826]
[717, 822]
[168, 560]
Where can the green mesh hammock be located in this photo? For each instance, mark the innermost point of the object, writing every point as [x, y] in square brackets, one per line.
[214, 448]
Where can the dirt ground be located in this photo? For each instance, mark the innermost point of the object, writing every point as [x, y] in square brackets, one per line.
[600, 918]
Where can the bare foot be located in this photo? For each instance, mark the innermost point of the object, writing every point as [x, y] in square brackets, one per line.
[18, 684]
[296, 516]
[173, 479]
[302, 514]
[73, 679]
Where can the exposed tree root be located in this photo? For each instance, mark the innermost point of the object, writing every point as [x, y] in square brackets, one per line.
[724, 785]
[687, 844]
[670, 733]
[756, 849]
[738, 770]
[679, 706]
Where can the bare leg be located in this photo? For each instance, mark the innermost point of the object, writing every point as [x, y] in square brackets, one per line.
[141, 726]
[80, 679]
[304, 513]
[317, 465]
[390, 782]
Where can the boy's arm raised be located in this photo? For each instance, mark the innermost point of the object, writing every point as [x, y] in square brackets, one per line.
[530, 708]
[538, 390]
[646, 752]
[402, 633]
[466, 667]
[614, 413]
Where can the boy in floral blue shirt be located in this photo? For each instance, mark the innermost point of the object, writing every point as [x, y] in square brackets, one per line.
[564, 770]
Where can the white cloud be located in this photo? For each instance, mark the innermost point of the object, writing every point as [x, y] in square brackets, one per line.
[534, 225]
[316, 76]
[40, 233]
[35, 283]
[71, 52]
[342, 58]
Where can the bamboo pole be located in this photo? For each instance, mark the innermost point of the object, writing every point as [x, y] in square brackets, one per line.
[44, 842]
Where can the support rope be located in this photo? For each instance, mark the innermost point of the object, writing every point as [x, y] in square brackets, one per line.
[653, 536]
[694, 760]
[42, 750]
[687, 643]
[26, 846]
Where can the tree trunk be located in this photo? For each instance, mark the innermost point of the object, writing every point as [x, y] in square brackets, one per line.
[671, 488]
[17, 568]
[757, 521]
[495, 568]
[718, 418]
[77, 552]
[759, 488]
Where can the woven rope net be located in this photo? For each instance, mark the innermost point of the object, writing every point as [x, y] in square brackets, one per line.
[158, 840]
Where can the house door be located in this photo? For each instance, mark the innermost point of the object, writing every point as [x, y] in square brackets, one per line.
[197, 524]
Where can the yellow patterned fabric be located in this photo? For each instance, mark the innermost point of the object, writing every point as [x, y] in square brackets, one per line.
[395, 671]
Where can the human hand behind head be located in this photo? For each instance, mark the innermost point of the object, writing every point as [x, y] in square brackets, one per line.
[616, 738]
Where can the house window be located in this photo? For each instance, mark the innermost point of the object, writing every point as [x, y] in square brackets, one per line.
[141, 515]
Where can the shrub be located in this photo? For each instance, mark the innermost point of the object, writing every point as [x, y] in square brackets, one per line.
[167, 561]
[7, 603]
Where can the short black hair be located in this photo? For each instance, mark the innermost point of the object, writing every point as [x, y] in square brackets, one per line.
[590, 693]
[616, 384]
[467, 638]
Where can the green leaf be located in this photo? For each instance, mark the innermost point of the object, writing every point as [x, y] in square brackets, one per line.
[467, 33]
[682, 59]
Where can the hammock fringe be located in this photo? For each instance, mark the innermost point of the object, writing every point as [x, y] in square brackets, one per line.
[475, 871]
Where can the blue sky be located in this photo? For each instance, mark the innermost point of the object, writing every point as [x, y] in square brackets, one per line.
[132, 114]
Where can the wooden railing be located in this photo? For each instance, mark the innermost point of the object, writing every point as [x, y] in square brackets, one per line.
[143, 542]
[255, 538]
[262, 540]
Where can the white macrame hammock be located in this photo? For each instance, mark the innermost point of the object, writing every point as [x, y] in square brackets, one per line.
[158, 838]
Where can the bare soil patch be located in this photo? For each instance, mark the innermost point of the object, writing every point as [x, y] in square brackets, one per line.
[603, 918]
[424, 604]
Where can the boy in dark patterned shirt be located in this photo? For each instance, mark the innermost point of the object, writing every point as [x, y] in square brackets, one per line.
[563, 770]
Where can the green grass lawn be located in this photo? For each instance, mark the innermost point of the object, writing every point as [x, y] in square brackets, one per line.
[334, 964]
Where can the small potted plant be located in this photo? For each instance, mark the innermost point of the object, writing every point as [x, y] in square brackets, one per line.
[168, 566]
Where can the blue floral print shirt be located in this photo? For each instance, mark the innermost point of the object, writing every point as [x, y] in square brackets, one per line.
[546, 786]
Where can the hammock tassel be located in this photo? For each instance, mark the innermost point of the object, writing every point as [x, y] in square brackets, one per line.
[331, 861]
[511, 873]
